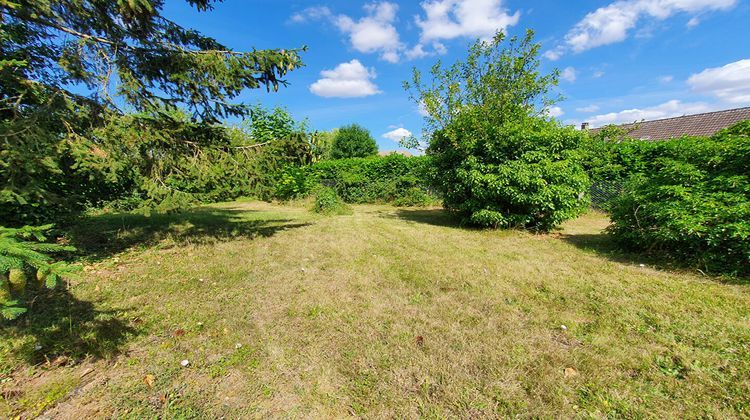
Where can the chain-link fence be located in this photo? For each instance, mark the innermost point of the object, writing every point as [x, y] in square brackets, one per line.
[603, 192]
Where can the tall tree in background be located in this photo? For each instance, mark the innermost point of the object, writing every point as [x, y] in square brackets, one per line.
[353, 141]
[129, 58]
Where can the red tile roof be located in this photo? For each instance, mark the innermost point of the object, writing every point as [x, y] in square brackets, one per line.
[705, 124]
[395, 152]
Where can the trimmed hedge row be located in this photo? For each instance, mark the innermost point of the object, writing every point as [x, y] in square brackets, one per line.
[373, 180]
[391, 179]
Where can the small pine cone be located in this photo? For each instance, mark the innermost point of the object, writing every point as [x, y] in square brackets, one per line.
[17, 279]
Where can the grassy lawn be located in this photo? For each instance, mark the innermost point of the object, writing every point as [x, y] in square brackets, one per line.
[385, 313]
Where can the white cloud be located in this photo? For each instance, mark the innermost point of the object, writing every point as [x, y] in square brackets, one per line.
[397, 135]
[311, 13]
[449, 19]
[588, 109]
[613, 23]
[554, 54]
[555, 112]
[693, 22]
[569, 74]
[418, 51]
[673, 108]
[666, 79]
[440, 48]
[374, 32]
[347, 80]
[730, 83]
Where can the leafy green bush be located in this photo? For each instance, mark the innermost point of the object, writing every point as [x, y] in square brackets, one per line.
[691, 202]
[292, 182]
[525, 174]
[329, 203]
[608, 161]
[23, 254]
[611, 161]
[499, 162]
[415, 197]
[375, 179]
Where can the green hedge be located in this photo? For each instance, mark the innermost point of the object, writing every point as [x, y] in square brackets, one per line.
[390, 179]
[689, 199]
[373, 180]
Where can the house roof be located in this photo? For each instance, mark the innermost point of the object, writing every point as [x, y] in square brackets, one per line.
[392, 152]
[706, 124]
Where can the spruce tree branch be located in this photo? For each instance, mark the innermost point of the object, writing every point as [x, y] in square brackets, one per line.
[252, 146]
[102, 40]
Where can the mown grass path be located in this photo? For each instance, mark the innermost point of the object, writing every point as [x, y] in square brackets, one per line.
[385, 313]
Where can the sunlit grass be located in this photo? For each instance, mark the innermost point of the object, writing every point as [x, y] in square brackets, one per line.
[384, 313]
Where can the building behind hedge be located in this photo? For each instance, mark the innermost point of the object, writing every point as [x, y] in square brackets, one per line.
[698, 125]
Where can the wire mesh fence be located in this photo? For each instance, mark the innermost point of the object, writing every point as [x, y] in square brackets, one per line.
[603, 192]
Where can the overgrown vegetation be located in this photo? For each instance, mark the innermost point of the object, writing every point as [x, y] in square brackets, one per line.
[683, 199]
[217, 164]
[389, 179]
[327, 202]
[374, 180]
[498, 161]
[689, 199]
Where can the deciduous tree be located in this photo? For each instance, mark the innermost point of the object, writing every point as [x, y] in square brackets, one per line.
[499, 160]
[353, 141]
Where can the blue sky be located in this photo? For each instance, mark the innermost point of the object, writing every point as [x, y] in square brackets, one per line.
[622, 61]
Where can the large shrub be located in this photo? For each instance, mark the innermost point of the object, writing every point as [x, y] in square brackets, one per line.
[526, 174]
[166, 162]
[353, 141]
[499, 162]
[375, 179]
[691, 201]
[292, 182]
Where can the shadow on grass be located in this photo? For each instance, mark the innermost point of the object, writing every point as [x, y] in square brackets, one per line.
[65, 328]
[98, 237]
[435, 217]
[604, 245]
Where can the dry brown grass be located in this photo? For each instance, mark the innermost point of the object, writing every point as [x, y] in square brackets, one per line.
[395, 313]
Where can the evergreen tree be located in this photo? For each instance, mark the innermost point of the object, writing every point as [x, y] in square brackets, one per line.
[130, 58]
[151, 61]
[61, 151]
